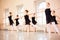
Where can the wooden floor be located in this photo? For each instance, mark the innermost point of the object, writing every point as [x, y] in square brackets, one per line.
[17, 35]
[8, 34]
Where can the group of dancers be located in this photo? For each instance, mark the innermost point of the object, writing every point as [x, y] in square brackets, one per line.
[50, 18]
[26, 17]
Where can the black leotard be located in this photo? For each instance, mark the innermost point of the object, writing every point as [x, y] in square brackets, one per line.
[33, 20]
[27, 20]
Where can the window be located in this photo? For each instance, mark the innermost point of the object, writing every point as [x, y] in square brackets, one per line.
[41, 13]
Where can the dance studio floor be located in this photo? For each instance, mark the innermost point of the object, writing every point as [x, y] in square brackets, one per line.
[17, 35]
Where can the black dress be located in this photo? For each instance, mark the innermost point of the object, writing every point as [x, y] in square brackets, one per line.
[10, 20]
[48, 16]
[27, 21]
[17, 22]
[54, 19]
[33, 20]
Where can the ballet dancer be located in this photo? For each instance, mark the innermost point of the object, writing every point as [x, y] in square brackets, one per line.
[27, 20]
[54, 20]
[10, 19]
[34, 22]
[33, 19]
[17, 18]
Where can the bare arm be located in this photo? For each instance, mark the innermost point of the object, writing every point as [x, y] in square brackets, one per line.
[29, 14]
[57, 16]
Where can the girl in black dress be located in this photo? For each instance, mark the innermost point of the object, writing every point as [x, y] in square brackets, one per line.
[54, 20]
[33, 19]
[27, 20]
[10, 19]
[49, 19]
[17, 18]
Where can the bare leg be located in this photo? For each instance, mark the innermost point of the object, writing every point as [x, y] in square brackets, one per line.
[34, 26]
[27, 28]
[49, 32]
[55, 27]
